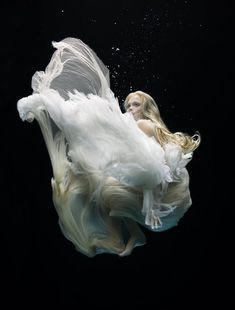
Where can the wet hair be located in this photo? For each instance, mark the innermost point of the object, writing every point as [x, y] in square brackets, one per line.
[164, 135]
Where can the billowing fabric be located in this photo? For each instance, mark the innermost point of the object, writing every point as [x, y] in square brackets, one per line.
[109, 177]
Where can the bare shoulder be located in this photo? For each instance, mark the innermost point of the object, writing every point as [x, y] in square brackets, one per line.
[145, 123]
[146, 126]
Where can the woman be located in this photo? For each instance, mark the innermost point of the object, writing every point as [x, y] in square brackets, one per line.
[145, 111]
[111, 170]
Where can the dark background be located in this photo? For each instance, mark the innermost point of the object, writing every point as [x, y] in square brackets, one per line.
[178, 52]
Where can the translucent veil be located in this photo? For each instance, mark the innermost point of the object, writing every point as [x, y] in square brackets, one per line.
[73, 66]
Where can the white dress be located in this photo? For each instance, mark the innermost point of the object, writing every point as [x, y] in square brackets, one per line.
[109, 178]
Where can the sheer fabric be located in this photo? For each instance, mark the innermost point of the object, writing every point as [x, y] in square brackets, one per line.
[109, 178]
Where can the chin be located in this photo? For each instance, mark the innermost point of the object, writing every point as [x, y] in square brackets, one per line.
[137, 118]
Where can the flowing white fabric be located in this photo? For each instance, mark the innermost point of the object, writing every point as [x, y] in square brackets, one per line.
[108, 176]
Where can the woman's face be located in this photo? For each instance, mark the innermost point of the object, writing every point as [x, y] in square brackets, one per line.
[135, 107]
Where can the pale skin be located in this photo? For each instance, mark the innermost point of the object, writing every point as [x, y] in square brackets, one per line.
[134, 106]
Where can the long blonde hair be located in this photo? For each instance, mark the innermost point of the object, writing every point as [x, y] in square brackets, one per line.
[151, 112]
